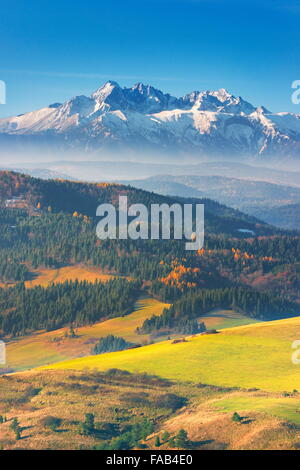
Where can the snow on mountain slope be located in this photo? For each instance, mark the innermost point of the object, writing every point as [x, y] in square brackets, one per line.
[205, 123]
[24, 122]
[287, 122]
[220, 101]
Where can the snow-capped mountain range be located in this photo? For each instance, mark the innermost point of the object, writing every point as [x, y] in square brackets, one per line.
[142, 117]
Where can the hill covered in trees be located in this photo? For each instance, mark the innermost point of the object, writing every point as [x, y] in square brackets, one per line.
[83, 199]
[182, 315]
[56, 226]
[71, 303]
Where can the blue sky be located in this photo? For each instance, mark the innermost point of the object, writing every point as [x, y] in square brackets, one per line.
[51, 51]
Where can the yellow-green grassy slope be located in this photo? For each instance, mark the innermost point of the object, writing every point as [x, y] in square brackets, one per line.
[286, 408]
[43, 348]
[46, 348]
[257, 355]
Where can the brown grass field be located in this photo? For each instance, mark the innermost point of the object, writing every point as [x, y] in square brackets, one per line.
[206, 416]
[45, 277]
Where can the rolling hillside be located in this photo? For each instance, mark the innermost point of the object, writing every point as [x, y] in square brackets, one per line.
[267, 420]
[276, 204]
[246, 266]
[48, 347]
[244, 371]
[83, 198]
[60, 304]
[249, 356]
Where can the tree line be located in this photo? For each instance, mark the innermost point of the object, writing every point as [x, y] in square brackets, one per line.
[195, 304]
[71, 303]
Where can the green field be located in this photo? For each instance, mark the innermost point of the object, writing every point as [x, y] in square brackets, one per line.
[257, 355]
[284, 408]
[220, 319]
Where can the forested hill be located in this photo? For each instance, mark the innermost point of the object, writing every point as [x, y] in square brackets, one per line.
[83, 198]
[51, 224]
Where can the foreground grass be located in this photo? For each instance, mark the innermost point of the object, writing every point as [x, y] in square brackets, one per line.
[286, 408]
[249, 356]
[119, 400]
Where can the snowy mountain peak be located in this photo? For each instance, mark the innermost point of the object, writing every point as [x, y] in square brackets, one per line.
[222, 95]
[202, 122]
[262, 110]
[110, 96]
[218, 101]
[141, 98]
[105, 90]
[54, 105]
[147, 99]
[141, 87]
[146, 90]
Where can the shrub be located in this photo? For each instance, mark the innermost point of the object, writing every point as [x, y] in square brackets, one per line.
[182, 440]
[14, 424]
[236, 417]
[121, 443]
[165, 436]
[18, 433]
[111, 343]
[135, 399]
[113, 372]
[107, 430]
[51, 422]
[88, 426]
[171, 401]
[84, 430]
[90, 420]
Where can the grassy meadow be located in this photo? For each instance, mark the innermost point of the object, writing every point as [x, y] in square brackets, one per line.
[282, 407]
[257, 355]
[45, 277]
[246, 368]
